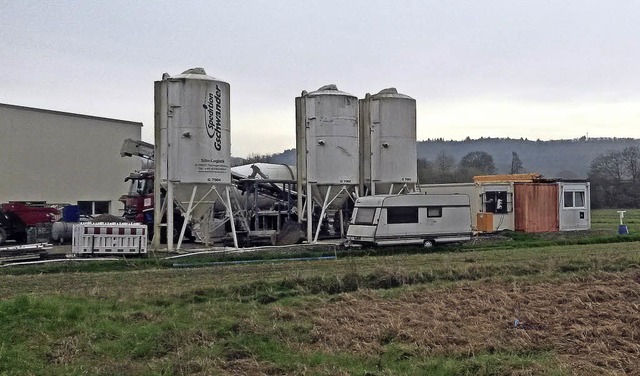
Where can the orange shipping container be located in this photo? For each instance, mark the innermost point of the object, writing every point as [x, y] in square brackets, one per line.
[536, 207]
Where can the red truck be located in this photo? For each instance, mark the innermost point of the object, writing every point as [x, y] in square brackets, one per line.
[16, 218]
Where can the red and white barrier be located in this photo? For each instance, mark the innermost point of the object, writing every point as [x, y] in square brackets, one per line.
[109, 238]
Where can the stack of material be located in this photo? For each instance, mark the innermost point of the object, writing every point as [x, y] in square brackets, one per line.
[23, 252]
[511, 178]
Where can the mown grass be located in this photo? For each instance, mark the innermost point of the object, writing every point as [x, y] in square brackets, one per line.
[606, 221]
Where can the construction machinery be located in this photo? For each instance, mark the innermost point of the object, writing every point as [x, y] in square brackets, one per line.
[262, 197]
[139, 201]
[18, 219]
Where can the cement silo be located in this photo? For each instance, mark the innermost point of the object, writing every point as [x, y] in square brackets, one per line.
[327, 151]
[192, 146]
[388, 157]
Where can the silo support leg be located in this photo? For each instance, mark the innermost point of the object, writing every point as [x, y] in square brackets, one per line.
[309, 204]
[326, 204]
[324, 208]
[303, 212]
[159, 208]
[242, 213]
[187, 216]
[170, 216]
[231, 219]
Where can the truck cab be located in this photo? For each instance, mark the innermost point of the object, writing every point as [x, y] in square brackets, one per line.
[138, 202]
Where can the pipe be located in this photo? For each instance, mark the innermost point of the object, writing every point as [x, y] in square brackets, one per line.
[58, 260]
[242, 250]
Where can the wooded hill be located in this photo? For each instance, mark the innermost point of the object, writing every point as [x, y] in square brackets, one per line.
[556, 158]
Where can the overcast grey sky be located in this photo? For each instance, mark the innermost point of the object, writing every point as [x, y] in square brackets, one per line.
[535, 69]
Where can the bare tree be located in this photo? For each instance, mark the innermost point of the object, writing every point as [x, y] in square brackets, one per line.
[613, 176]
[608, 167]
[426, 171]
[444, 168]
[631, 162]
[516, 164]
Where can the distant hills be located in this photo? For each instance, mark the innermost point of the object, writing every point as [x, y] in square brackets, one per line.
[556, 158]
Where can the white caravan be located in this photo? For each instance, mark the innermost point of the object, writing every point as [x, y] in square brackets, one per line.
[410, 219]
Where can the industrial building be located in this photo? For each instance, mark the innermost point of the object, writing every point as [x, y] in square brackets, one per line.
[58, 157]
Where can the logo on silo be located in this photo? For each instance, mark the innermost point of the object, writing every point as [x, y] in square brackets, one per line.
[213, 116]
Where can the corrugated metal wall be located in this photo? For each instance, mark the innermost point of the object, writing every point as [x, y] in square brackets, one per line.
[536, 207]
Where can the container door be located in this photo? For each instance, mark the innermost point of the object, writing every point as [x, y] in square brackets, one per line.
[536, 207]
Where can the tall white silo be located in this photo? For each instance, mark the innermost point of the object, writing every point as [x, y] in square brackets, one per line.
[327, 150]
[192, 146]
[388, 153]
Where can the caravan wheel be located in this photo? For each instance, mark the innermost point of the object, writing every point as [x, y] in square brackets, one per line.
[428, 243]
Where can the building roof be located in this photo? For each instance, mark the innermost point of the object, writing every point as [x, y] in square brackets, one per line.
[522, 178]
[509, 178]
[68, 114]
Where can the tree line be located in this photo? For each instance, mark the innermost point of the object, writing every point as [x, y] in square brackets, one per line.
[614, 175]
[445, 169]
[614, 178]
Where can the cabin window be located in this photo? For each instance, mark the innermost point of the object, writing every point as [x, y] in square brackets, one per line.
[497, 202]
[434, 211]
[364, 216]
[402, 215]
[574, 199]
[141, 187]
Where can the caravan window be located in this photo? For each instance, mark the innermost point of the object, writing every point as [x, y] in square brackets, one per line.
[402, 215]
[364, 216]
[434, 211]
[574, 199]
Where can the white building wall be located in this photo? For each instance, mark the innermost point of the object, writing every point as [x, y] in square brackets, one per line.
[61, 157]
[574, 214]
[475, 191]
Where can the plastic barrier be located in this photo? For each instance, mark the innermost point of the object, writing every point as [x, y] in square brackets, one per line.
[109, 238]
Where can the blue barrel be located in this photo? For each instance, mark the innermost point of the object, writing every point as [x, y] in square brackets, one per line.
[71, 213]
